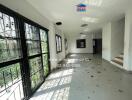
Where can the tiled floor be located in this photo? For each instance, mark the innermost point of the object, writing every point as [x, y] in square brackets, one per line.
[84, 79]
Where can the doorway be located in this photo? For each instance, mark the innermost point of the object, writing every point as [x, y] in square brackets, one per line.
[97, 46]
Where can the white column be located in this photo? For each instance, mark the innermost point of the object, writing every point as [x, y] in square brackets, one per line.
[128, 42]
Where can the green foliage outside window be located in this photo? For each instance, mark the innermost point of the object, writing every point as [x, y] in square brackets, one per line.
[36, 71]
[45, 64]
[9, 75]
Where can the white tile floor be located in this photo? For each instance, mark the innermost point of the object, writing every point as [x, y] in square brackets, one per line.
[87, 80]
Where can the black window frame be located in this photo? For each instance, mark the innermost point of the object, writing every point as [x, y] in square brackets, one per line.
[78, 43]
[24, 64]
[58, 50]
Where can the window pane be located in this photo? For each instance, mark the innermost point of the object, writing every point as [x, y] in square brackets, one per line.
[32, 32]
[7, 26]
[58, 43]
[9, 74]
[44, 44]
[9, 49]
[35, 64]
[44, 47]
[36, 79]
[33, 47]
[36, 71]
[33, 40]
[45, 64]
[10, 82]
[43, 35]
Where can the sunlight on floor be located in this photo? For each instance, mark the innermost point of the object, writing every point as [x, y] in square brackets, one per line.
[71, 61]
[73, 55]
[56, 87]
[61, 94]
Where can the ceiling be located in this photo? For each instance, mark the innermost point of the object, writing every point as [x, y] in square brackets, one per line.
[98, 12]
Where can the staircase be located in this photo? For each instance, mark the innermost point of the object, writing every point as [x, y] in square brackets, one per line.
[118, 61]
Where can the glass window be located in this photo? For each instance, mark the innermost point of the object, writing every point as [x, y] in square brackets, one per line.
[33, 41]
[45, 64]
[15, 61]
[10, 81]
[44, 45]
[58, 43]
[36, 71]
[10, 75]
[9, 49]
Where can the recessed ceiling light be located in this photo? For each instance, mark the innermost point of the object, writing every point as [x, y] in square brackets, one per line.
[84, 25]
[83, 36]
[86, 30]
[93, 2]
[90, 19]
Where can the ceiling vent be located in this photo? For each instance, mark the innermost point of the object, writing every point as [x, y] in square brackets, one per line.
[84, 25]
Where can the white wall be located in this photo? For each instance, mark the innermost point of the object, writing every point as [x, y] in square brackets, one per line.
[61, 55]
[24, 8]
[106, 42]
[52, 46]
[74, 49]
[128, 41]
[117, 38]
[67, 37]
[113, 39]
[97, 35]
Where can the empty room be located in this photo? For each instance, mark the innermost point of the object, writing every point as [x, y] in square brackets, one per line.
[65, 50]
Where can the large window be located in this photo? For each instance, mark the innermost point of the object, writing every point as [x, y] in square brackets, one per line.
[37, 43]
[9, 49]
[58, 43]
[10, 75]
[34, 54]
[24, 55]
[32, 37]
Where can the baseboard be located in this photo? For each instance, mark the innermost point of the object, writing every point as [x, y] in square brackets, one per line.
[81, 53]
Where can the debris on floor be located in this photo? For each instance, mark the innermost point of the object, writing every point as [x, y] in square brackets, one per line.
[98, 72]
[92, 76]
[97, 85]
[120, 91]
[88, 97]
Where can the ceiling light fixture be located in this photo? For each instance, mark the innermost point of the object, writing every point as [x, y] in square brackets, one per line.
[83, 36]
[86, 30]
[90, 19]
[84, 25]
[93, 2]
